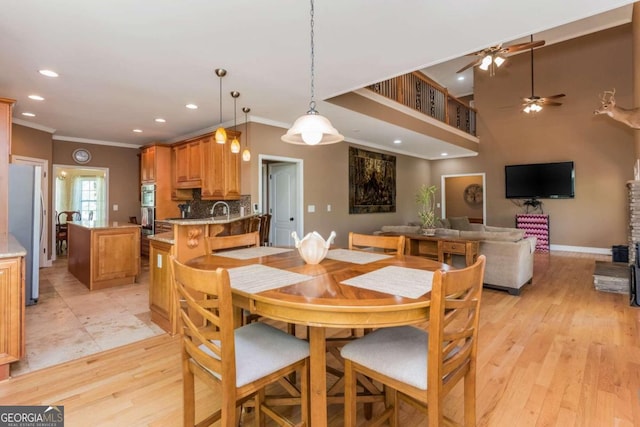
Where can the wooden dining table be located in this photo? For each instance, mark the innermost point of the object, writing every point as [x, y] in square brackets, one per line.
[323, 301]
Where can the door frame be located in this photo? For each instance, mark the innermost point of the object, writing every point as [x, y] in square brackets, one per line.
[443, 193]
[262, 181]
[54, 173]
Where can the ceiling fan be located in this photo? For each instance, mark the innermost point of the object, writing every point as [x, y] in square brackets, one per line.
[492, 57]
[533, 104]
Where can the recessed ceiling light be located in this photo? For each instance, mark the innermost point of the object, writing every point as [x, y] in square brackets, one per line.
[192, 106]
[137, 130]
[460, 78]
[28, 114]
[444, 154]
[397, 141]
[160, 120]
[48, 73]
[36, 97]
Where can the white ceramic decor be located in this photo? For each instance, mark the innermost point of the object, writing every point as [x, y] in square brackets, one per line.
[313, 248]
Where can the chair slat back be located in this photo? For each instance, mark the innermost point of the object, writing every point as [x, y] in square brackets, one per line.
[453, 326]
[213, 244]
[204, 304]
[389, 244]
[265, 224]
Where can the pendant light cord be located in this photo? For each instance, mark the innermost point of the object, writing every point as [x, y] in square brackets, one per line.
[312, 104]
[220, 99]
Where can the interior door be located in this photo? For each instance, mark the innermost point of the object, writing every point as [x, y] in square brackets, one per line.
[282, 203]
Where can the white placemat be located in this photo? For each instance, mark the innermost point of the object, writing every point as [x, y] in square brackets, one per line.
[402, 281]
[256, 278]
[356, 257]
[253, 252]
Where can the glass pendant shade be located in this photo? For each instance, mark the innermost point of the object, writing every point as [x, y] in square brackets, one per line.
[235, 146]
[246, 155]
[312, 129]
[221, 135]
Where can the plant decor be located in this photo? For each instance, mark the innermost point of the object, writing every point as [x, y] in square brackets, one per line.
[426, 201]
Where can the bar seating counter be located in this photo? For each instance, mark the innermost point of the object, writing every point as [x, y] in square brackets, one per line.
[102, 254]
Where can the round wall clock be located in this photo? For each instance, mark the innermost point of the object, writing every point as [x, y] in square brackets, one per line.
[473, 193]
[81, 155]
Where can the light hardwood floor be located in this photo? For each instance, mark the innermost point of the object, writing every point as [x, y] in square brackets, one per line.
[561, 354]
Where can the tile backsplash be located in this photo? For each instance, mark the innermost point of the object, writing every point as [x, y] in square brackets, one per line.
[202, 208]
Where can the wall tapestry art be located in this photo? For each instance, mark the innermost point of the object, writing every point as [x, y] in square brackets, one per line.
[372, 182]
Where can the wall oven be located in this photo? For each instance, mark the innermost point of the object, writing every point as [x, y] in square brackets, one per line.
[148, 196]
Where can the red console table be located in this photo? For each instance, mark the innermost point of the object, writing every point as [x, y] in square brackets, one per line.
[536, 225]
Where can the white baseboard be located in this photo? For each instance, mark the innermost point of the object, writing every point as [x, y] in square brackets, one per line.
[584, 249]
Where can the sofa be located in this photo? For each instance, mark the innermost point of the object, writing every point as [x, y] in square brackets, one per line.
[509, 253]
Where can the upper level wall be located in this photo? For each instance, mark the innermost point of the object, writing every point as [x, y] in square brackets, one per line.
[602, 149]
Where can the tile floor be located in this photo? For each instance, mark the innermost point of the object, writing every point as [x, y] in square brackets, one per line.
[70, 322]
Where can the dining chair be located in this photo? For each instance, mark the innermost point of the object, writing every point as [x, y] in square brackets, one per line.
[236, 363]
[422, 366]
[389, 244]
[265, 225]
[62, 229]
[245, 240]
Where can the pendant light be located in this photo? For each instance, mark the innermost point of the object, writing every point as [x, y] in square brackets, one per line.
[246, 154]
[312, 128]
[235, 144]
[221, 133]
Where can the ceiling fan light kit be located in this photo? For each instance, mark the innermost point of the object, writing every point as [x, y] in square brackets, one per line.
[493, 57]
[533, 104]
[312, 128]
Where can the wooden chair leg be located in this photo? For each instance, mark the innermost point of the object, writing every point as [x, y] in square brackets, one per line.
[188, 393]
[349, 395]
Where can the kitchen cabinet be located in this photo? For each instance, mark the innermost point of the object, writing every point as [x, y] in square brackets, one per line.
[222, 178]
[160, 285]
[148, 165]
[187, 165]
[155, 167]
[11, 312]
[217, 173]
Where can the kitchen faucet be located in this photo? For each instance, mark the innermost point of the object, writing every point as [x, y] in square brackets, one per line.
[225, 204]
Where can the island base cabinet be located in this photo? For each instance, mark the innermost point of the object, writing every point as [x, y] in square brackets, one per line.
[104, 257]
[11, 313]
[160, 286]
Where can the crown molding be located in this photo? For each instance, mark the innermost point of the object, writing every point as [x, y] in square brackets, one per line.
[33, 125]
[95, 141]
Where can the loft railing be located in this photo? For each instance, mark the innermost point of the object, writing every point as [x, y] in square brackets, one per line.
[417, 91]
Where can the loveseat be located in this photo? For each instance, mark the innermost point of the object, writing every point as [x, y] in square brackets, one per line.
[509, 253]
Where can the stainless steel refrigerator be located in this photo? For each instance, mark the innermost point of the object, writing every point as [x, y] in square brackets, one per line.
[25, 221]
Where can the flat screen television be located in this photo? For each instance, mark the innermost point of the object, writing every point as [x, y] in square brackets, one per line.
[540, 181]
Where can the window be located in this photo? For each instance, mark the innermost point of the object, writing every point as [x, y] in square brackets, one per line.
[88, 197]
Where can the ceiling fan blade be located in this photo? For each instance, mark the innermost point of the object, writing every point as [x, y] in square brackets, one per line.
[469, 65]
[551, 103]
[560, 95]
[523, 46]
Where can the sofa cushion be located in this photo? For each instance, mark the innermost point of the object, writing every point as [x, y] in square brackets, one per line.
[408, 229]
[447, 232]
[505, 236]
[443, 223]
[460, 223]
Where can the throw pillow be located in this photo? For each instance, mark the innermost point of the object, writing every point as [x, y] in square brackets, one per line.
[460, 223]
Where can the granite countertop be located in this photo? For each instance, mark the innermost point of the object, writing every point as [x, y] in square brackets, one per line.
[104, 224]
[9, 247]
[222, 219]
[163, 237]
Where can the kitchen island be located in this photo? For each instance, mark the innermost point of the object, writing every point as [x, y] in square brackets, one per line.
[102, 254]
